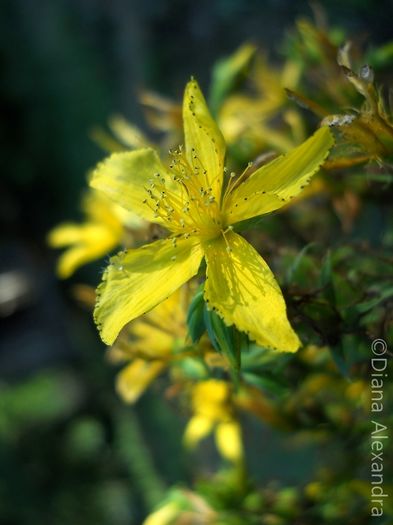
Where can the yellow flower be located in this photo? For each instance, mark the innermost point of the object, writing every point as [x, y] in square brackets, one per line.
[182, 507]
[163, 115]
[249, 118]
[165, 515]
[213, 411]
[102, 231]
[148, 342]
[190, 199]
[123, 136]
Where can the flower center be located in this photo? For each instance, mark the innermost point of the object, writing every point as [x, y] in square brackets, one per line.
[185, 201]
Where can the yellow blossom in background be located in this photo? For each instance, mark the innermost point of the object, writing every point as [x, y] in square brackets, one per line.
[192, 200]
[123, 136]
[148, 344]
[213, 410]
[249, 117]
[103, 230]
[165, 515]
[182, 507]
[163, 115]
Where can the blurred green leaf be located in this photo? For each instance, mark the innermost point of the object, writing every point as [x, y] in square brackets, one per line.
[381, 57]
[226, 74]
[326, 279]
[85, 438]
[44, 398]
[193, 368]
[269, 384]
[224, 339]
[295, 267]
[372, 303]
[338, 355]
[264, 359]
[195, 316]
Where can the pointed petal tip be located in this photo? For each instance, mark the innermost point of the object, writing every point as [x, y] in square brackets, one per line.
[244, 293]
[291, 347]
[141, 278]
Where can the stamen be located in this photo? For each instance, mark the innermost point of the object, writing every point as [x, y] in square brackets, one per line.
[228, 248]
[232, 183]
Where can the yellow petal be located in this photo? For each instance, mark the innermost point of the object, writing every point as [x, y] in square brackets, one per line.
[274, 184]
[137, 280]
[205, 146]
[164, 515]
[64, 235]
[101, 210]
[150, 341]
[74, 258]
[210, 399]
[133, 380]
[155, 335]
[244, 118]
[128, 134]
[198, 428]
[229, 441]
[125, 178]
[170, 315]
[243, 290]
[90, 242]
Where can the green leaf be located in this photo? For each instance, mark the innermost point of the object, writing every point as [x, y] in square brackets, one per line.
[324, 316]
[294, 267]
[352, 313]
[381, 57]
[338, 356]
[351, 349]
[195, 316]
[265, 383]
[264, 359]
[326, 279]
[225, 339]
[42, 399]
[226, 74]
[193, 368]
[372, 303]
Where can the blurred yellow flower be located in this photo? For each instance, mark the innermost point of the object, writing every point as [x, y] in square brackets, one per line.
[192, 200]
[123, 136]
[163, 115]
[149, 342]
[88, 241]
[246, 117]
[183, 507]
[214, 411]
[164, 515]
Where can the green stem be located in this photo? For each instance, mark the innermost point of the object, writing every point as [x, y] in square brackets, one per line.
[134, 452]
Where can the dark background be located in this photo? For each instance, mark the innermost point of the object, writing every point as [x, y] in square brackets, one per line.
[68, 450]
